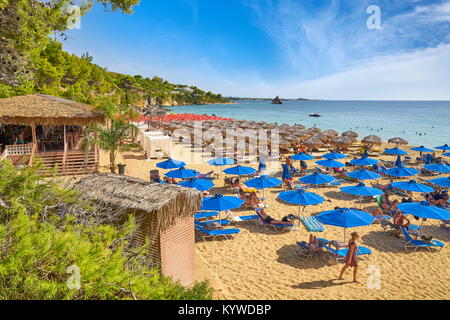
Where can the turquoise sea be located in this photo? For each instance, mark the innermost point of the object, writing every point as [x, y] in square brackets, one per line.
[420, 122]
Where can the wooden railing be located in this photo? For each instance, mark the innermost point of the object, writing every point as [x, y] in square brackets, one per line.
[19, 149]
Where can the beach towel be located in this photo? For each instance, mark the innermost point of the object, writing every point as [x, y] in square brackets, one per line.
[312, 224]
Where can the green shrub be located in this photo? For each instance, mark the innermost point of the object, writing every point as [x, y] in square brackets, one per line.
[43, 246]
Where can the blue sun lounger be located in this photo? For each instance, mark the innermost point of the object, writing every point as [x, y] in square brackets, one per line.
[340, 254]
[283, 227]
[213, 234]
[305, 251]
[312, 224]
[248, 218]
[204, 215]
[222, 222]
[415, 244]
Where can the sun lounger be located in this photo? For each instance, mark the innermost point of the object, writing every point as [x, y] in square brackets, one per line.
[204, 215]
[312, 224]
[415, 244]
[213, 234]
[340, 254]
[222, 222]
[304, 250]
[248, 218]
[283, 227]
[208, 176]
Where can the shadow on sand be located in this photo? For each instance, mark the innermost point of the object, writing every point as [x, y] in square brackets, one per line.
[288, 255]
[319, 284]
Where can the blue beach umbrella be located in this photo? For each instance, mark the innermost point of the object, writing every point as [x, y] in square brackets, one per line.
[402, 171]
[221, 203]
[364, 161]
[412, 185]
[221, 161]
[334, 156]
[330, 163]
[364, 174]
[345, 218]
[182, 173]
[362, 190]
[170, 164]
[300, 197]
[438, 167]
[239, 170]
[445, 147]
[446, 154]
[443, 182]
[302, 156]
[317, 178]
[424, 209]
[395, 152]
[263, 182]
[422, 149]
[199, 184]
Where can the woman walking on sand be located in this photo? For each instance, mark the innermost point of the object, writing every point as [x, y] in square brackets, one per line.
[351, 260]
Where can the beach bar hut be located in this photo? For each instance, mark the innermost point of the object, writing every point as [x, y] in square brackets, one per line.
[48, 127]
[163, 215]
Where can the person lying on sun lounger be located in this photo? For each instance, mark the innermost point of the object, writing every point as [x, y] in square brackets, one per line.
[252, 200]
[388, 204]
[400, 220]
[271, 220]
[377, 213]
[313, 243]
[437, 198]
[207, 175]
[383, 187]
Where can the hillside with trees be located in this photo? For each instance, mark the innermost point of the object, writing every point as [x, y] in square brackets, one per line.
[32, 61]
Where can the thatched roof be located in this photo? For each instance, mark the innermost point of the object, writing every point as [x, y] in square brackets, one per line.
[342, 141]
[166, 201]
[46, 110]
[372, 139]
[397, 141]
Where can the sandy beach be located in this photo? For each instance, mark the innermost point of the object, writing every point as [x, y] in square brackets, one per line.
[261, 263]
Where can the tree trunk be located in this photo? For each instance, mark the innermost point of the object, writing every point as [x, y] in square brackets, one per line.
[112, 161]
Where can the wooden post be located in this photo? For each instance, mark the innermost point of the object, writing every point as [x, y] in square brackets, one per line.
[65, 152]
[34, 139]
[96, 151]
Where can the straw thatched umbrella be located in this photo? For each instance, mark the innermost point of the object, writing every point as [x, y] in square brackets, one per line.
[350, 133]
[313, 142]
[398, 141]
[372, 140]
[162, 211]
[331, 133]
[343, 141]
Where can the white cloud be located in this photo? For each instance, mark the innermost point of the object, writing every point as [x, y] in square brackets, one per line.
[421, 75]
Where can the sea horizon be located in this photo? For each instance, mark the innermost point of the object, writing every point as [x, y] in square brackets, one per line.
[425, 123]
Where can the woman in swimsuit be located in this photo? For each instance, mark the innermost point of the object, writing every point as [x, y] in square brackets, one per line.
[271, 220]
[351, 260]
[387, 204]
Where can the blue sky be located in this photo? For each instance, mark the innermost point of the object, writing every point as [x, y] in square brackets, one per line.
[292, 48]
